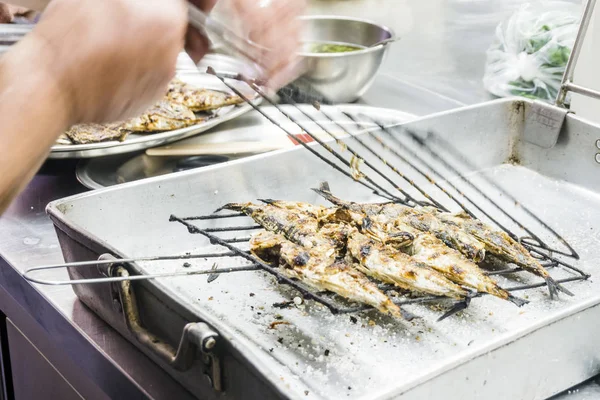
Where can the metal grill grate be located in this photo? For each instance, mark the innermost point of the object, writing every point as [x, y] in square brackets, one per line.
[234, 249]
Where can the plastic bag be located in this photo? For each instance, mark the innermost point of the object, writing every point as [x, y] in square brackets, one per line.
[531, 51]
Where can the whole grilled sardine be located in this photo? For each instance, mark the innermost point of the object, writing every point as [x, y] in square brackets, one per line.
[383, 215]
[502, 246]
[298, 228]
[318, 268]
[391, 266]
[163, 116]
[455, 266]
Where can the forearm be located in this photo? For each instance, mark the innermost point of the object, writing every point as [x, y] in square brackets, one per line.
[33, 112]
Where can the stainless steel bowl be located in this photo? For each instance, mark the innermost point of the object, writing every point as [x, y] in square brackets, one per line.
[342, 77]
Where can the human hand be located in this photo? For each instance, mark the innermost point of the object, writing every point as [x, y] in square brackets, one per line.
[111, 58]
[8, 12]
[272, 24]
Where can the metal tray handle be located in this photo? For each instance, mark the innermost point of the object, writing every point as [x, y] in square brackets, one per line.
[196, 335]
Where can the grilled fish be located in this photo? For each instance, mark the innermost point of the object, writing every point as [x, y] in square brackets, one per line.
[385, 215]
[318, 268]
[430, 250]
[502, 246]
[311, 210]
[95, 133]
[164, 116]
[298, 228]
[389, 265]
[199, 99]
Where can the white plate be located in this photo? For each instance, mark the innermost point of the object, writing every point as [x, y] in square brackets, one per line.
[135, 142]
[250, 128]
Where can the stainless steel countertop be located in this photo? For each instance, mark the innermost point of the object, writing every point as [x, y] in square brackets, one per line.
[438, 65]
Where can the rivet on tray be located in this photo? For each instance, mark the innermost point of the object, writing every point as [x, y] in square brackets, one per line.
[598, 143]
[209, 343]
[598, 158]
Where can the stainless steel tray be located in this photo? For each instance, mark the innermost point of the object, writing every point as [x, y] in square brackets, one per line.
[493, 351]
[96, 173]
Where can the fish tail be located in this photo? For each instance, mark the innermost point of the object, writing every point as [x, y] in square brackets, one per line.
[554, 287]
[407, 315]
[519, 302]
[325, 186]
[458, 306]
[325, 192]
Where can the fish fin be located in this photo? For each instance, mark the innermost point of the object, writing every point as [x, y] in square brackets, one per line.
[458, 306]
[519, 302]
[407, 315]
[479, 256]
[554, 287]
[267, 201]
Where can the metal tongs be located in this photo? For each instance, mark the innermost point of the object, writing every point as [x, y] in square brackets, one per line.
[233, 42]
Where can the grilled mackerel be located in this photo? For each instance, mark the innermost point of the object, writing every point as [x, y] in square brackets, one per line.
[199, 99]
[318, 268]
[502, 246]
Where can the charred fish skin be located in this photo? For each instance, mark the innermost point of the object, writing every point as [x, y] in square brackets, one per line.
[300, 207]
[297, 228]
[389, 265]
[361, 215]
[456, 267]
[318, 268]
[267, 246]
[501, 245]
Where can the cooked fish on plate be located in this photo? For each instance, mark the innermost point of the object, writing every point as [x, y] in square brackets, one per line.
[94, 133]
[163, 116]
[175, 111]
[197, 99]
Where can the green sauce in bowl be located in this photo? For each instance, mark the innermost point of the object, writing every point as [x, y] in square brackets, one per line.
[332, 47]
